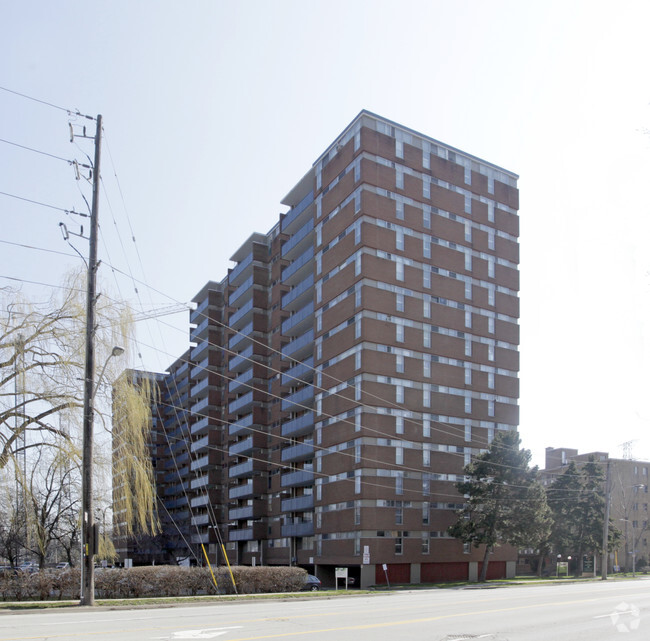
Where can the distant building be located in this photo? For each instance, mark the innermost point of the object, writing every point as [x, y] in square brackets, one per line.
[348, 366]
[629, 499]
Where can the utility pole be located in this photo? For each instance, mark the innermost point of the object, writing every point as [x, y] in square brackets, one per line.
[87, 520]
[608, 496]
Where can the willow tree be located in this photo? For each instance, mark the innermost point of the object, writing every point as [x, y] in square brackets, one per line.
[42, 351]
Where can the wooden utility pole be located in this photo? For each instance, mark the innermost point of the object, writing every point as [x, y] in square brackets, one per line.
[87, 520]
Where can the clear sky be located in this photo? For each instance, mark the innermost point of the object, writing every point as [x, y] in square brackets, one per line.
[213, 110]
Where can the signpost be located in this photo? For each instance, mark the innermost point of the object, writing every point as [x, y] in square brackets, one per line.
[341, 573]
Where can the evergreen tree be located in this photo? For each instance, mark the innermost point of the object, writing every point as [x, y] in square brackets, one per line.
[505, 502]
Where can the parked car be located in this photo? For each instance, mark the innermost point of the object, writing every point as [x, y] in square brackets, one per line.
[28, 566]
[64, 565]
[312, 583]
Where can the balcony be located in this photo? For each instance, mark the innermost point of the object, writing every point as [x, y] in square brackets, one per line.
[298, 504]
[294, 213]
[299, 426]
[202, 405]
[302, 372]
[201, 387]
[299, 478]
[256, 531]
[298, 452]
[303, 397]
[201, 369]
[241, 426]
[197, 352]
[299, 321]
[201, 538]
[246, 512]
[299, 347]
[201, 519]
[239, 271]
[299, 295]
[200, 444]
[243, 333]
[200, 501]
[241, 491]
[299, 240]
[299, 528]
[201, 463]
[241, 469]
[240, 380]
[246, 286]
[242, 360]
[299, 268]
[199, 332]
[201, 426]
[202, 481]
[198, 314]
[244, 446]
[241, 403]
[241, 314]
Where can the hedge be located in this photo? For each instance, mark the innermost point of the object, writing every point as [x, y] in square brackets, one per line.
[149, 581]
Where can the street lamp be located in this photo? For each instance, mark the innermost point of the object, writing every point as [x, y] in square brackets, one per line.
[88, 537]
[626, 521]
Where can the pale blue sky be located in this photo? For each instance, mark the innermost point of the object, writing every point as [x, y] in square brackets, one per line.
[214, 110]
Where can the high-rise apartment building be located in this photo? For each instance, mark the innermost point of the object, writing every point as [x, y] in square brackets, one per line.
[350, 364]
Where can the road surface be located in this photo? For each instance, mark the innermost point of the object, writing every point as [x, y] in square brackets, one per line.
[595, 611]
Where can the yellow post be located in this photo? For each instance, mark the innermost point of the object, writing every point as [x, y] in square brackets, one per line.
[208, 562]
[232, 578]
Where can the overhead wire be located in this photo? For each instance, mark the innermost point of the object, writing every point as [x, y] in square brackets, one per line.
[72, 112]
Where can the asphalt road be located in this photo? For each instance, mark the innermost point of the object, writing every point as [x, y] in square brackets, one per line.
[576, 612]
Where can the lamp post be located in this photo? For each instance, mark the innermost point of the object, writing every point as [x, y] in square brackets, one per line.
[88, 537]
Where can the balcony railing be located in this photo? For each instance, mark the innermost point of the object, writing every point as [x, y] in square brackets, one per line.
[240, 313]
[241, 425]
[297, 210]
[307, 312]
[298, 504]
[300, 451]
[297, 478]
[244, 287]
[241, 469]
[298, 237]
[240, 268]
[241, 447]
[302, 397]
[295, 345]
[298, 290]
[243, 357]
[299, 426]
[300, 528]
[302, 372]
[302, 260]
[239, 403]
[241, 335]
[241, 491]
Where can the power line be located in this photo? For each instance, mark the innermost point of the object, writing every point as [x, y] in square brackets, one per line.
[36, 202]
[36, 151]
[72, 112]
[42, 249]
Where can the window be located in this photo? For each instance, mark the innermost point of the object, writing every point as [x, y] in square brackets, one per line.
[399, 178]
[491, 267]
[468, 233]
[398, 544]
[468, 374]
[426, 336]
[399, 240]
[357, 360]
[491, 380]
[426, 398]
[426, 218]
[357, 514]
[425, 543]
[399, 363]
[399, 425]
[399, 483]
[357, 484]
[426, 247]
[468, 262]
[490, 408]
[426, 457]
[399, 515]
[491, 324]
[399, 148]
[426, 309]
[399, 333]
[357, 202]
[468, 432]
[426, 188]
[426, 428]
[357, 453]
[399, 271]
[468, 347]
[399, 302]
[468, 291]
[425, 514]
[468, 405]
[399, 210]
[426, 368]
[468, 319]
[399, 394]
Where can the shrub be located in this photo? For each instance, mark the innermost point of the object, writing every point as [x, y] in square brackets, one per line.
[150, 581]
